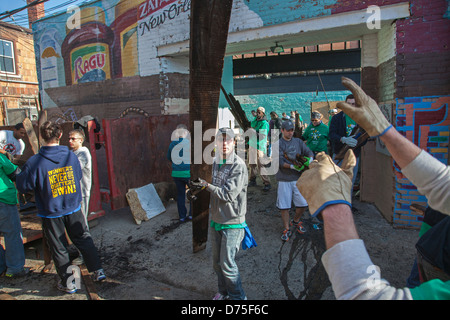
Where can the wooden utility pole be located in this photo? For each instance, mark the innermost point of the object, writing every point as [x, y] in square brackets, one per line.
[208, 39]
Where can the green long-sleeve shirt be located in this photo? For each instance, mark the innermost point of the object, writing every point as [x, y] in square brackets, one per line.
[8, 192]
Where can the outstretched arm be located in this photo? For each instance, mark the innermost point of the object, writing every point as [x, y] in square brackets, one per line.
[429, 175]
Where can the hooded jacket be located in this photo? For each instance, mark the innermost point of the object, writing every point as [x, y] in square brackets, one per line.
[54, 174]
[229, 191]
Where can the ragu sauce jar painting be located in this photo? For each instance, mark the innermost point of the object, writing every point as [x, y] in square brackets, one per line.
[87, 51]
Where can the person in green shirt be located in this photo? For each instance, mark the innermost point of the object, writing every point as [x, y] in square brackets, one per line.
[258, 149]
[180, 158]
[12, 257]
[316, 134]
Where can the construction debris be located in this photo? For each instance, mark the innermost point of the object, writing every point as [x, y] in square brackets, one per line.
[144, 203]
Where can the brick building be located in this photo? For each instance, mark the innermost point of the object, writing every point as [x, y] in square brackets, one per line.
[18, 79]
[110, 55]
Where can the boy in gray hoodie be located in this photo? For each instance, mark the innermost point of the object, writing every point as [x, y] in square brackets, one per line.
[228, 209]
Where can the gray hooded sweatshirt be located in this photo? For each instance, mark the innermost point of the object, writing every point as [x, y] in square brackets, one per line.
[229, 191]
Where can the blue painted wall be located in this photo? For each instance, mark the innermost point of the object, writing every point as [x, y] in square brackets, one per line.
[288, 101]
[281, 11]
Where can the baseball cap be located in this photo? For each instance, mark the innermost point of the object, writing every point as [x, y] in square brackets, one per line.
[225, 130]
[261, 109]
[316, 115]
[287, 125]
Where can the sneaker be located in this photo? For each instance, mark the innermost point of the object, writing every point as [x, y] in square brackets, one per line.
[78, 261]
[267, 187]
[22, 273]
[286, 235]
[71, 288]
[220, 296]
[252, 183]
[99, 275]
[298, 226]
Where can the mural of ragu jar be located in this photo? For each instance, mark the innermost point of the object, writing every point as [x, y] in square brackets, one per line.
[87, 51]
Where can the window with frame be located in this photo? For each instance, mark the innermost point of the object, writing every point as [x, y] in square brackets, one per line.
[7, 63]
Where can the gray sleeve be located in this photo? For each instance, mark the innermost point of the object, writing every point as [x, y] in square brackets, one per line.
[232, 187]
[353, 275]
[305, 151]
[432, 179]
[283, 160]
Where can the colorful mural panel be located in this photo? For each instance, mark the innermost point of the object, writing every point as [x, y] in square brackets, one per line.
[91, 43]
[426, 122]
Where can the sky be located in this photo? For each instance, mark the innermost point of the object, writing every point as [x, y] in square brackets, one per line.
[21, 18]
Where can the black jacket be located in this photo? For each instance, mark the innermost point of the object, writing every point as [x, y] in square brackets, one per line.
[337, 131]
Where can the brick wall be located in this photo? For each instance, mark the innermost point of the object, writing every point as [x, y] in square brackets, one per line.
[423, 50]
[425, 121]
[19, 89]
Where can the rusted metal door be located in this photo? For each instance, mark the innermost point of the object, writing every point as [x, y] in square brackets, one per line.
[136, 152]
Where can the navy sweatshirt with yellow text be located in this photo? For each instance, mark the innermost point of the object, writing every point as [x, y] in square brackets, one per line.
[54, 174]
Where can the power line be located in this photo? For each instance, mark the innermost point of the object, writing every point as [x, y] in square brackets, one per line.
[7, 14]
[22, 18]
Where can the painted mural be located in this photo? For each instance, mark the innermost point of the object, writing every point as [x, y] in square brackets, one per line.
[109, 39]
[426, 122]
[91, 43]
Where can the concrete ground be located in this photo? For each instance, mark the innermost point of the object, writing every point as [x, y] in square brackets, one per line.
[154, 260]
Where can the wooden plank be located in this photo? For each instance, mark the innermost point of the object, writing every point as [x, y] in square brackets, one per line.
[31, 227]
[34, 142]
[5, 296]
[417, 208]
[89, 283]
[209, 32]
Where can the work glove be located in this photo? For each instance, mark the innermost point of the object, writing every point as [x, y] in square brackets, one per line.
[198, 184]
[350, 141]
[325, 183]
[8, 155]
[191, 195]
[302, 163]
[366, 111]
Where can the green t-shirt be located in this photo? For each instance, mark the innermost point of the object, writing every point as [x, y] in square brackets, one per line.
[262, 129]
[8, 191]
[181, 174]
[218, 226]
[317, 137]
[432, 290]
[349, 125]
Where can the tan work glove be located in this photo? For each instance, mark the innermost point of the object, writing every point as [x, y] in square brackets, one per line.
[325, 183]
[366, 113]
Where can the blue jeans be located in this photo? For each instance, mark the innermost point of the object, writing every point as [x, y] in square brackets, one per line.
[181, 184]
[224, 246]
[414, 278]
[13, 258]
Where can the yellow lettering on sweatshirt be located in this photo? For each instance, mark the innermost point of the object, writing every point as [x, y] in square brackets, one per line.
[62, 181]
